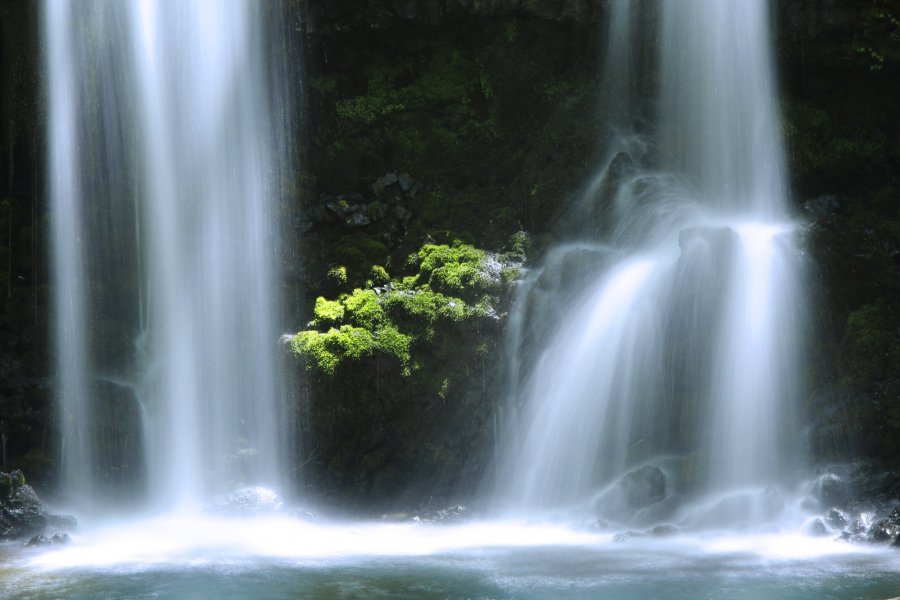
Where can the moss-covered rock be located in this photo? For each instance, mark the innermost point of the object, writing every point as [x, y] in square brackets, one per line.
[402, 393]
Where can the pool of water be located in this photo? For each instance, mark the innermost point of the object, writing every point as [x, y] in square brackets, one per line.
[287, 558]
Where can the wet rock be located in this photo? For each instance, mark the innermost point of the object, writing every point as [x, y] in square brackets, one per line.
[357, 219]
[816, 527]
[644, 486]
[450, 514]
[628, 535]
[854, 538]
[664, 530]
[636, 490]
[886, 530]
[860, 525]
[54, 540]
[821, 207]
[836, 518]
[21, 512]
[657, 512]
[38, 540]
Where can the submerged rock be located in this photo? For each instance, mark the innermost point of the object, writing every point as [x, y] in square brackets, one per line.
[643, 487]
[664, 530]
[816, 527]
[635, 491]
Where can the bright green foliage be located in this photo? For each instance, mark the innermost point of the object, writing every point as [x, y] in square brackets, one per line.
[453, 269]
[425, 305]
[391, 342]
[363, 309]
[338, 275]
[328, 312]
[379, 275]
[326, 350]
[451, 290]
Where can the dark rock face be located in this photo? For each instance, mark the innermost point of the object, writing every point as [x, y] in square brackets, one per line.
[887, 530]
[21, 512]
[346, 15]
[831, 489]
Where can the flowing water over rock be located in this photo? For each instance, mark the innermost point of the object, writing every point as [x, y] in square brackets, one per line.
[671, 350]
[654, 368]
[162, 132]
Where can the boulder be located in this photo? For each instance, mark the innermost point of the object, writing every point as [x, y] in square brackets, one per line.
[643, 487]
[636, 490]
[836, 518]
[886, 530]
[21, 512]
[816, 527]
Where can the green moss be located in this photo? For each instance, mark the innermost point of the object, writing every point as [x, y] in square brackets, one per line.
[338, 275]
[425, 306]
[359, 252]
[379, 275]
[328, 312]
[363, 309]
[325, 351]
[410, 320]
[390, 341]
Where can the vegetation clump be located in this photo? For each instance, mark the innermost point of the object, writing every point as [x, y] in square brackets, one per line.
[453, 284]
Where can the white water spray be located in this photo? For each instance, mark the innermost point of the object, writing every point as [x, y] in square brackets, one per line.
[654, 392]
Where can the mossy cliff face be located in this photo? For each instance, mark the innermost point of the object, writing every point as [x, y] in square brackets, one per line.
[433, 141]
[484, 120]
[841, 71]
[26, 424]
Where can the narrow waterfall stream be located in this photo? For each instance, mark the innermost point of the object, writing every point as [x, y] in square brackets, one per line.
[165, 244]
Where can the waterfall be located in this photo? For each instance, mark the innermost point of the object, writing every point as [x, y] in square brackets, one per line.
[655, 359]
[163, 179]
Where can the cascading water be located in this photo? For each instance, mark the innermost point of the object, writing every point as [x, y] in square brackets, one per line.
[162, 176]
[654, 364]
[670, 378]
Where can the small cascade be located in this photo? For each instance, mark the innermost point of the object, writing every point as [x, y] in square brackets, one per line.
[656, 361]
[163, 181]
